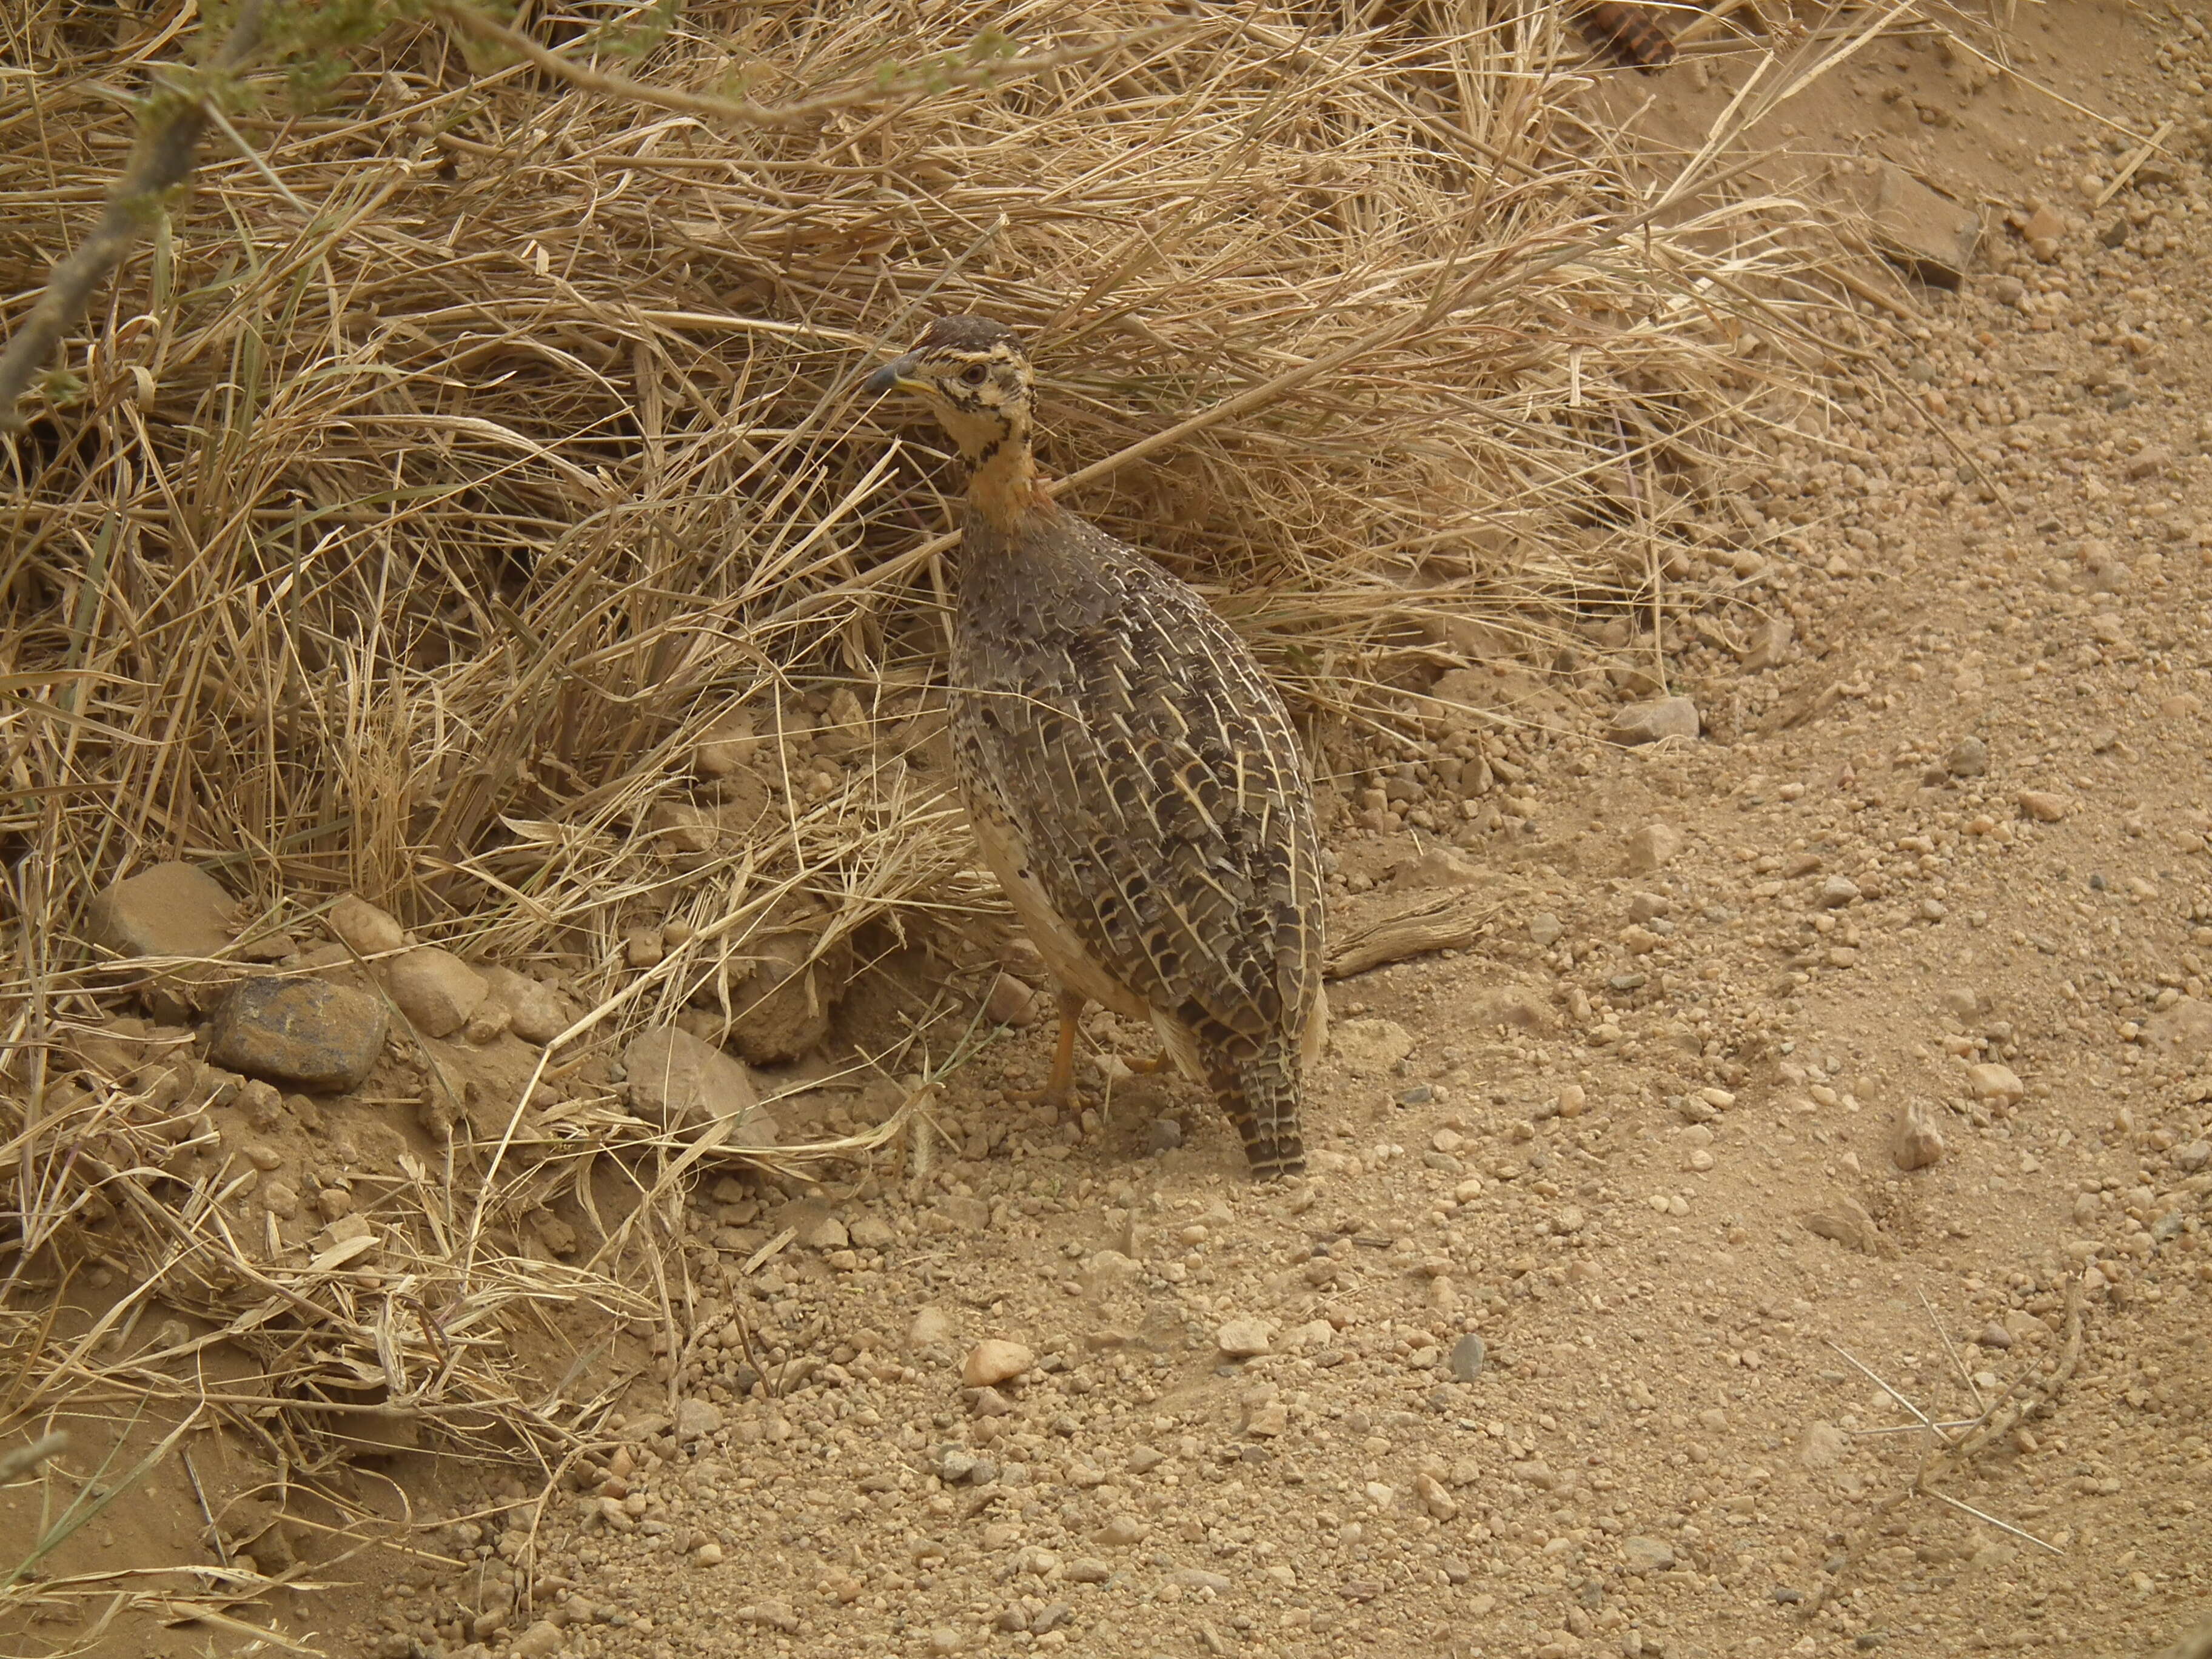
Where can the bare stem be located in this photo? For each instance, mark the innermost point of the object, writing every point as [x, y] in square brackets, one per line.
[162, 161]
[744, 111]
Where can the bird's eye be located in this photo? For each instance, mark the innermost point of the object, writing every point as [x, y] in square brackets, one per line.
[972, 374]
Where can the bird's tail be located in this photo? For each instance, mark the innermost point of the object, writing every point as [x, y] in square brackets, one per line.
[1261, 1097]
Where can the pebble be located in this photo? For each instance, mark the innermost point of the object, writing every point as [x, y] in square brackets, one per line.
[1649, 722]
[1990, 1081]
[1465, 1360]
[1162, 1135]
[1995, 1336]
[304, 1032]
[1969, 758]
[1641, 1555]
[1243, 1339]
[1010, 1002]
[1653, 848]
[364, 928]
[1838, 891]
[435, 989]
[2196, 1156]
[1917, 1143]
[1545, 929]
[2042, 805]
[993, 1361]
[675, 1082]
[169, 910]
[534, 1010]
[542, 1640]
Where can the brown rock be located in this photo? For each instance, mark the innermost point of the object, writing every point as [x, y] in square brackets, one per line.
[435, 989]
[1916, 1142]
[370, 932]
[1993, 1082]
[534, 1010]
[1653, 848]
[2042, 805]
[727, 747]
[678, 1082]
[1649, 722]
[301, 1031]
[1926, 232]
[994, 1361]
[1010, 1002]
[175, 910]
[783, 1009]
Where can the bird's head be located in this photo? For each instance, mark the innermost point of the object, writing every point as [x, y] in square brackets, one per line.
[975, 376]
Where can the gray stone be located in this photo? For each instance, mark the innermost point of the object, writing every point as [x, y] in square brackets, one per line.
[1969, 758]
[1642, 1555]
[1465, 1360]
[2193, 1157]
[435, 989]
[1162, 1135]
[1649, 722]
[1545, 929]
[304, 1032]
[1837, 891]
[678, 1082]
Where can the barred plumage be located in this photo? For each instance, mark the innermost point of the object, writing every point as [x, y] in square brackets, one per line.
[1133, 781]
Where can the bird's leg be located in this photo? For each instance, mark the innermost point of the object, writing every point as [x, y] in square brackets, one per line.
[1060, 1083]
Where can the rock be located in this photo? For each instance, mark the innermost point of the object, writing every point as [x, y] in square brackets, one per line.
[169, 910]
[1120, 1531]
[994, 1361]
[678, 1082]
[541, 1640]
[1545, 929]
[1994, 1336]
[1823, 1446]
[2185, 1029]
[1369, 1047]
[1773, 645]
[1993, 1082]
[1010, 1002]
[1243, 1339]
[1927, 233]
[435, 989]
[1838, 891]
[1916, 1143]
[364, 928]
[929, 1327]
[872, 1232]
[534, 1010]
[1517, 1007]
[1439, 866]
[1648, 722]
[2194, 1157]
[1653, 848]
[783, 1009]
[696, 1418]
[727, 747]
[2042, 805]
[1969, 758]
[1643, 1556]
[1162, 1135]
[1465, 1360]
[304, 1032]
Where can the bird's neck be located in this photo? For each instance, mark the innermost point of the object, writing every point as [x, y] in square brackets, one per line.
[1003, 488]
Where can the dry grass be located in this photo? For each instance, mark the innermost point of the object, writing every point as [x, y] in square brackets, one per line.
[442, 473]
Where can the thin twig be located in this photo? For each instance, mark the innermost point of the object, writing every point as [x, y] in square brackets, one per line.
[164, 161]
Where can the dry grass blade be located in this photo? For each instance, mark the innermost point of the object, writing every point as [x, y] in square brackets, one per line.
[414, 544]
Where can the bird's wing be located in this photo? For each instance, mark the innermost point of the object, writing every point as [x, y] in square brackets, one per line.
[1157, 783]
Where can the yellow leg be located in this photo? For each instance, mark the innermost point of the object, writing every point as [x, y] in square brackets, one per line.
[1060, 1084]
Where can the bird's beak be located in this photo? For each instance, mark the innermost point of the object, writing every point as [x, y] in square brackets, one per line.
[892, 376]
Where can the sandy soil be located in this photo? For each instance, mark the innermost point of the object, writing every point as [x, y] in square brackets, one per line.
[1609, 1321]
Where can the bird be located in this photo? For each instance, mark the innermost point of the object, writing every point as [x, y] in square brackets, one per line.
[1132, 779]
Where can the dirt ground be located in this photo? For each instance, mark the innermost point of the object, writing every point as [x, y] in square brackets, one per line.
[1824, 1091]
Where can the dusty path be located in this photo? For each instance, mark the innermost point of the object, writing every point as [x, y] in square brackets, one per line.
[1938, 883]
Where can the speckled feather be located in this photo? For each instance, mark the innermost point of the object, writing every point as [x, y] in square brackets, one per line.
[1152, 784]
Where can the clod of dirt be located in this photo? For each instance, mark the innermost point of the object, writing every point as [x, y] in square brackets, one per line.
[435, 989]
[785, 1008]
[303, 1032]
[169, 910]
[1918, 1143]
[1648, 722]
[368, 931]
[676, 1081]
